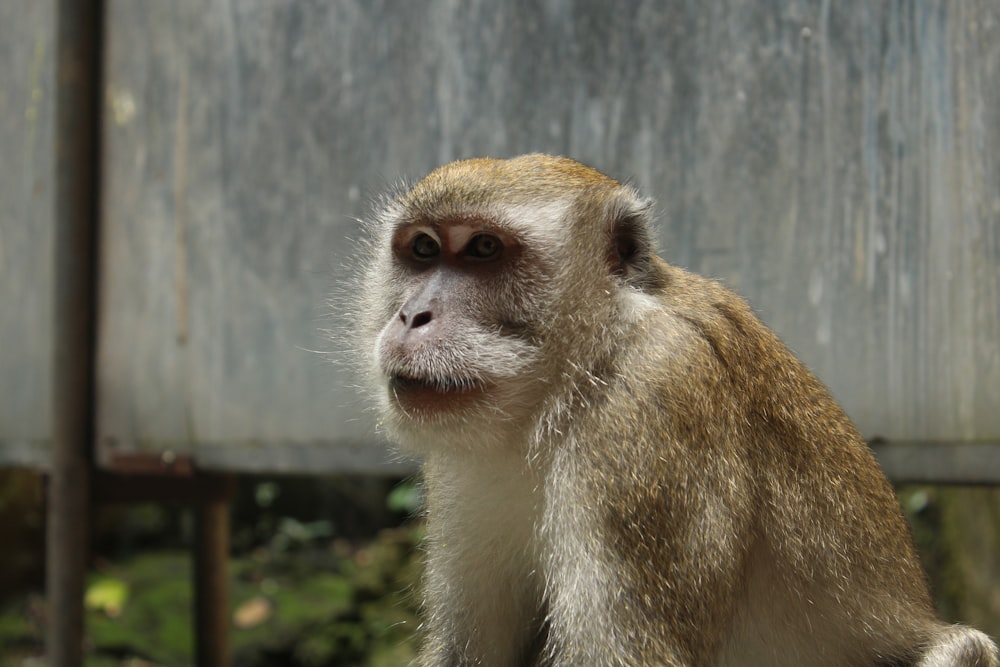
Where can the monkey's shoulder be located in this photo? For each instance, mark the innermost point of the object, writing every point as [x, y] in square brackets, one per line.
[710, 349]
[710, 319]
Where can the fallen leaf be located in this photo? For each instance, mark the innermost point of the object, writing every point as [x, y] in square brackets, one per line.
[252, 613]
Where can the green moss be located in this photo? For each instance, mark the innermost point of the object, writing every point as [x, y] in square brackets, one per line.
[155, 622]
[15, 628]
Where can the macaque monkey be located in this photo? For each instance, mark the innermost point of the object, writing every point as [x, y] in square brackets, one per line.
[623, 465]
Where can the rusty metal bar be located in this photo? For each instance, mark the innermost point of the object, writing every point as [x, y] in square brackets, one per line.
[77, 141]
[211, 579]
[124, 489]
[147, 478]
[166, 463]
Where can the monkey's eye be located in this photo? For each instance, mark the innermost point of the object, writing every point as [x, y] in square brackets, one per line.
[425, 246]
[483, 246]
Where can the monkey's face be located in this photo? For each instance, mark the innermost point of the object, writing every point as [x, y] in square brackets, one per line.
[491, 282]
[458, 343]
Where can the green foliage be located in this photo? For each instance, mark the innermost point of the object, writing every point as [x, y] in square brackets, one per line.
[349, 614]
[106, 594]
[320, 604]
[406, 498]
[15, 627]
[155, 621]
[20, 633]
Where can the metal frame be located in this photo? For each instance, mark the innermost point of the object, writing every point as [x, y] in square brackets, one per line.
[73, 482]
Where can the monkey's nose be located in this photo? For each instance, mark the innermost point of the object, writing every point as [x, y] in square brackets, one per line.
[418, 320]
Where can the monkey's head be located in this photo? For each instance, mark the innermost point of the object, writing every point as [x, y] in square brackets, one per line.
[492, 286]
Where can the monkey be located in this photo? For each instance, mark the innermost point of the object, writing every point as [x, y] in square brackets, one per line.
[622, 464]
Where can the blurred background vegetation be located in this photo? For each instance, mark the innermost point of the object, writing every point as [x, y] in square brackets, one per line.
[325, 570]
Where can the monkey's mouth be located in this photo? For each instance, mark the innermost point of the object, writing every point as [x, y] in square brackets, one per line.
[432, 393]
[442, 385]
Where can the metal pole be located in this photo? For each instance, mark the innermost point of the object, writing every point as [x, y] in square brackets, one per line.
[76, 211]
[211, 578]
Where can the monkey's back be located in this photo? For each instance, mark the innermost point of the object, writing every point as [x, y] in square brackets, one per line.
[745, 454]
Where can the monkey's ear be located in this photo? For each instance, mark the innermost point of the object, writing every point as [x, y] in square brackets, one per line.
[631, 243]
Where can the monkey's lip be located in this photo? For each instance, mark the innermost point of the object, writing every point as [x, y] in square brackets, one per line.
[433, 393]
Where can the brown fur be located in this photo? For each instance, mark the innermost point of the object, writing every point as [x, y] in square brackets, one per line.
[635, 470]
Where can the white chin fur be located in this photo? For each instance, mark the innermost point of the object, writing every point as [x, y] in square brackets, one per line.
[500, 419]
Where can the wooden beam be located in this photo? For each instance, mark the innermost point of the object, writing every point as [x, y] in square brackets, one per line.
[939, 462]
